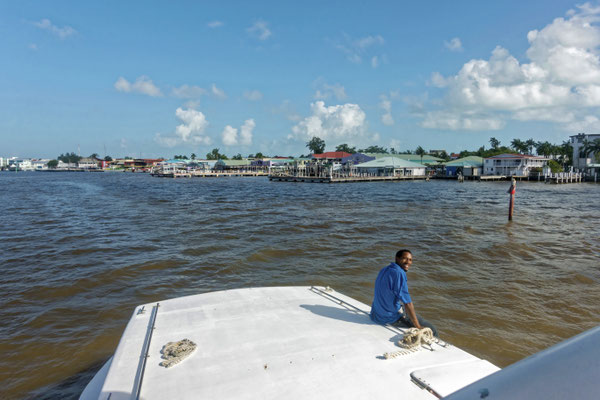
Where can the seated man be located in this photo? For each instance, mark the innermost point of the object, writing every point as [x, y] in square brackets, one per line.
[391, 292]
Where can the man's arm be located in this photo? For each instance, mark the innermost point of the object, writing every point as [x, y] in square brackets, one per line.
[410, 311]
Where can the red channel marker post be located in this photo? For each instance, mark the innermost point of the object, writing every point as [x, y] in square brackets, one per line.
[511, 191]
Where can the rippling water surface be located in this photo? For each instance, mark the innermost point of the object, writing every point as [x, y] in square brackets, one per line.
[79, 251]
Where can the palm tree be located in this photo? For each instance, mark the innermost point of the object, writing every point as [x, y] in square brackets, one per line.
[530, 145]
[420, 152]
[344, 147]
[494, 143]
[591, 148]
[566, 152]
[519, 145]
[544, 148]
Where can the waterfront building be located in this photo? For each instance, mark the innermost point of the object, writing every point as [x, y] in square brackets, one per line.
[331, 156]
[302, 161]
[415, 158]
[123, 163]
[267, 162]
[583, 161]
[513, 164]
[232, 165]
[40, 165]
[64, 165]
[356, 158]
[391, 166]
[200, 165]
[171, 166]
[144, 164]
[467, 166]
[20, 164]
[87, 163]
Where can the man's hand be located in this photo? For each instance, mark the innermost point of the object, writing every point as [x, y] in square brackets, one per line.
[410, 311]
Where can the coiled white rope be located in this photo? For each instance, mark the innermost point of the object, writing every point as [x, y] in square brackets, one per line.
[412, 339]
[174, 352]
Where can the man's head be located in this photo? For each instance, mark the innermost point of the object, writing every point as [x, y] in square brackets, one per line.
[404, 259]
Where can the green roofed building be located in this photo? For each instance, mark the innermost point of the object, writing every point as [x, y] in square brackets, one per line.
[427, 159]
[467, 166]
[232, 164]
[391, 166]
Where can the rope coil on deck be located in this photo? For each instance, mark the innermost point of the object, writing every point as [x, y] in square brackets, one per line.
[175, 352]
[412, 339]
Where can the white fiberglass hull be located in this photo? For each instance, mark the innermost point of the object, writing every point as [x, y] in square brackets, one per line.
[277, 342]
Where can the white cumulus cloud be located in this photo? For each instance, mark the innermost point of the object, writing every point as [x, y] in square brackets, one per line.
[339, 122]
[193, 126]
[62, 33]
[143, 85]
[190, 131]
[231, 138]
[218, 93]
[260, 30]
[188, 92]
[246, 132]
[454, 44]
[438, 80]
[559, 82]
[589, 123]
[325, 90]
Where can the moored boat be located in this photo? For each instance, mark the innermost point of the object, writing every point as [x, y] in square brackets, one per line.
[276, 342]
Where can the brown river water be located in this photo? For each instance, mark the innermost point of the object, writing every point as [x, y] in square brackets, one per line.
[79, 251]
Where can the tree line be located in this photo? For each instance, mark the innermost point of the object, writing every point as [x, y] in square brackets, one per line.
[561, 152]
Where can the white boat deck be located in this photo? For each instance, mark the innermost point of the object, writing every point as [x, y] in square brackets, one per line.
[277, 342]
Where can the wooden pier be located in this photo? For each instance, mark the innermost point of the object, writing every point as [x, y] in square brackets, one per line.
[560, 177]
[493, 178]
[205, 174]
[504, 177]
[343, 179]
[564, 177]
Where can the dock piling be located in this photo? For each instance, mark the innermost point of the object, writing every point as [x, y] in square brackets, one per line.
[511, 191]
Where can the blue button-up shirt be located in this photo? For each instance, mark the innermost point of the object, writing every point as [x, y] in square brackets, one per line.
[391, 291]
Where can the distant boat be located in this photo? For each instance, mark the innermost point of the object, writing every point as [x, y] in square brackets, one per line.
[283, 343]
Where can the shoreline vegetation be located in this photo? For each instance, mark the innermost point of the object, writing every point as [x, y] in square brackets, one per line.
[551, 161]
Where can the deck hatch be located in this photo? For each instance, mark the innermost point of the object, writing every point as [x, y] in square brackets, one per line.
[443, 380]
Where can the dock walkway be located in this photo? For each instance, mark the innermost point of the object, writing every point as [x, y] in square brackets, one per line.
[565, 177]
[202, 174]
[342, 179]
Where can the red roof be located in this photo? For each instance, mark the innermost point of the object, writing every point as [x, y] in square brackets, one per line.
[332, 154]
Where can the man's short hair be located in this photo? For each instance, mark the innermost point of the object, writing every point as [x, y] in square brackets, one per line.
[401, 252]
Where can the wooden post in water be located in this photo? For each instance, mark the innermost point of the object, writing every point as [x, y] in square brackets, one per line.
[511, 191]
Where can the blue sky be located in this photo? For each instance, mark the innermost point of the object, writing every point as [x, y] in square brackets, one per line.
[153, 78]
